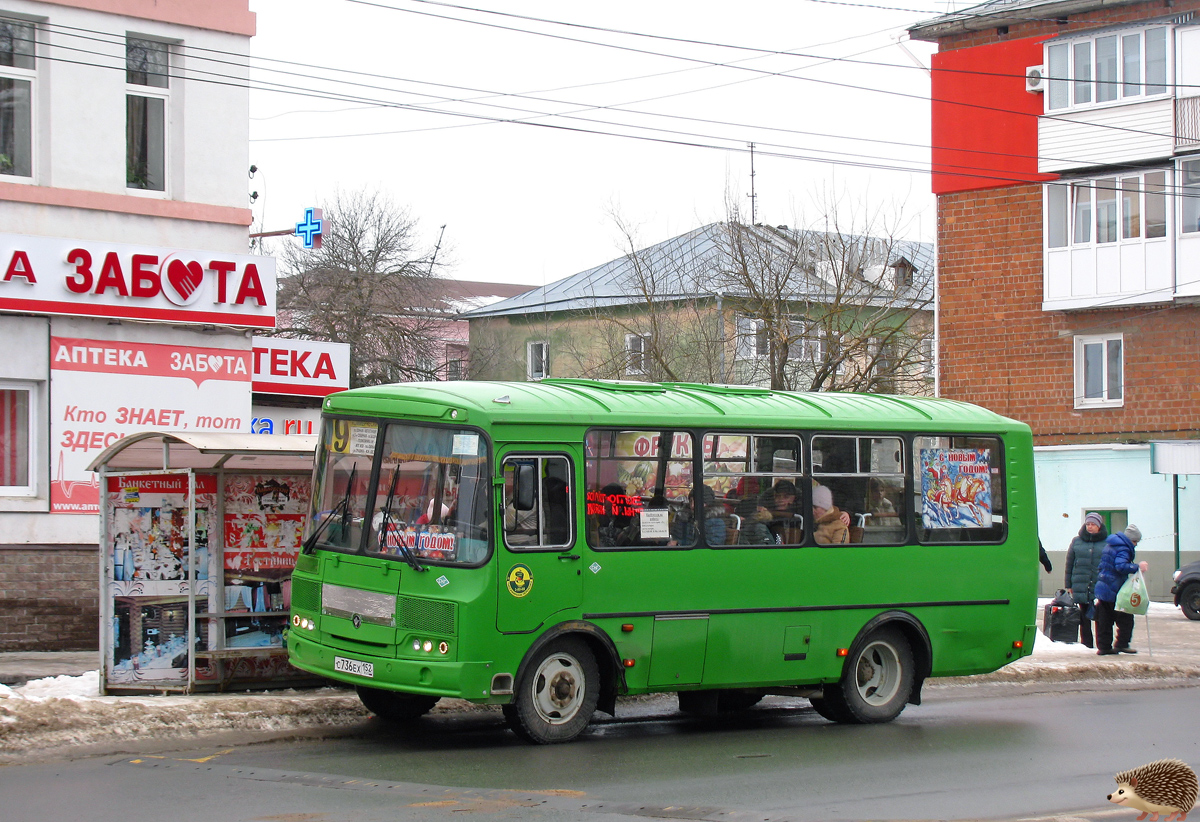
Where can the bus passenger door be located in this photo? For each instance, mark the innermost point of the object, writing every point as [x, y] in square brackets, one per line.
[540, 567]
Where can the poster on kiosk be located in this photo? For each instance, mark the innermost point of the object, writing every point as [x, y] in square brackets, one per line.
[179, 618]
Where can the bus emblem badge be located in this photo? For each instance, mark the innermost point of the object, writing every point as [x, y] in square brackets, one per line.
[357, 620]
[594, 567]
[519, 580]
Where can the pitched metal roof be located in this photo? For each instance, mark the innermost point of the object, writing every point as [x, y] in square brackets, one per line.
[683, 267]
[1005, 13]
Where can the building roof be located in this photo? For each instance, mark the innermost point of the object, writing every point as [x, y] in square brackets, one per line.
[682, 267]
[465, 295]
[1005, 13]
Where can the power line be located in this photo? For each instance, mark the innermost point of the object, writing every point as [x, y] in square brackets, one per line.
[979, 171]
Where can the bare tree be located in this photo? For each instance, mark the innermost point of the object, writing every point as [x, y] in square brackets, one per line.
[829, 308]
[657, 318]
[824, 308]
[368, 285]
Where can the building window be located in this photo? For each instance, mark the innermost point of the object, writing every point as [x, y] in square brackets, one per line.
[537, 360]
[636, 346]
[456, 362]
[1132, 207]
[1099, 371]
[928, 358]
[751, 339]
[16, 440]
[16, 98]
[146, 99]
[1095, 70]
[1108, 240]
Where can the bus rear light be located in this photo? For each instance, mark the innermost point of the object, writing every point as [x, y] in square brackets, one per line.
[843, 652]
[628, 663]
[627, 628]
[1018, 644]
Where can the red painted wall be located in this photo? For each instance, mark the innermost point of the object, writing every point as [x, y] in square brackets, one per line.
[984, 121]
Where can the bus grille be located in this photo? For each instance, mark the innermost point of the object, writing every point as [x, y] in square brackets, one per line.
[432, 615]
[306, 595]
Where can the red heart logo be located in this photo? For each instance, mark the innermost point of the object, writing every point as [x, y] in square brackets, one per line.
[185, 278]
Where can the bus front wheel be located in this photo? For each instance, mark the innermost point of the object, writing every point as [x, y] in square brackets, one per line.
[557, 693]
[876, 683]
[394, 706]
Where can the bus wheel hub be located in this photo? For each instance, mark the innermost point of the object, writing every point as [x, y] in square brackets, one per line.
[562, 689]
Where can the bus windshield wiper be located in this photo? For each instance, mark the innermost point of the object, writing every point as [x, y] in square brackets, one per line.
[342, 507]
[405, 553]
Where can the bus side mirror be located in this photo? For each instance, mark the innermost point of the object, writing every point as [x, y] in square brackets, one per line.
[526, 485]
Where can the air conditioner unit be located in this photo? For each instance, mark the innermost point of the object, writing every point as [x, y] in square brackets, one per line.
[1035, 79]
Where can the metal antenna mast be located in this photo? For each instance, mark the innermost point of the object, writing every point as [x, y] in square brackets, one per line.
[753, 195]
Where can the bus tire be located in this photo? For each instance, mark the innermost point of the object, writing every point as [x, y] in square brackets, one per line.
[556, 693]
[829, 707]
[876, 682]
[732, 700]
[394, 706]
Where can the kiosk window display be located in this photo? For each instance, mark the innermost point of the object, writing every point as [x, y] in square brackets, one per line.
[215, 617]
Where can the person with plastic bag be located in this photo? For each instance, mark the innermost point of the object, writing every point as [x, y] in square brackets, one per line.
[1083, 566]
[1116, 565]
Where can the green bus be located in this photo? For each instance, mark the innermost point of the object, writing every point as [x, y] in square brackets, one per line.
[549, 546]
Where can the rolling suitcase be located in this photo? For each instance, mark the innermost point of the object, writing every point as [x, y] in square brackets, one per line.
[1060, 618]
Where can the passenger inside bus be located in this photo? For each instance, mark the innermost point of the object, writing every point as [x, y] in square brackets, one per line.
[830, 525]
[755, 517]
[614, 526]
[683, 529]
[787, 526]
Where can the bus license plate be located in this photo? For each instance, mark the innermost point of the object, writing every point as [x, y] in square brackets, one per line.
[353, 666]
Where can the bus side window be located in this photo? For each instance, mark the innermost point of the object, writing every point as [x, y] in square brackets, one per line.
[865, 479]
[537, 502]
[958, 489]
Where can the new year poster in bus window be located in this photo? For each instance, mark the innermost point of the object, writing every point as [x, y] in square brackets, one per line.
[956, 487]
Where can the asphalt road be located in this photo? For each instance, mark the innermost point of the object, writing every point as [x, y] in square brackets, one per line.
[968, 753]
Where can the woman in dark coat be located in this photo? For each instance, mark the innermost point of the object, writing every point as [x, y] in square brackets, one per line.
[1083, 565]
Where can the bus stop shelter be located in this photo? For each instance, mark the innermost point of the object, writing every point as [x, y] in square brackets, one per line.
[199, 533]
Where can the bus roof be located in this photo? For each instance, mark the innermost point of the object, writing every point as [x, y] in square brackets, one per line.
[578, 401]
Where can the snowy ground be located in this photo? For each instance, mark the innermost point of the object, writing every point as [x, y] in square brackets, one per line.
[67, 711]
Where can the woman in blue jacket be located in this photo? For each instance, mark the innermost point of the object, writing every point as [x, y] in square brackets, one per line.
[1116, 564]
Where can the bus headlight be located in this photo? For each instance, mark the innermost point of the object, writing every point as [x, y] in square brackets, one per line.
[427, 646]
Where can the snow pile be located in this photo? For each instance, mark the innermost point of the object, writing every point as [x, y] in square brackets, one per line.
[68, 712]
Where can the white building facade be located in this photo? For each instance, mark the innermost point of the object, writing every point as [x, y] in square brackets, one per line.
[128, 298]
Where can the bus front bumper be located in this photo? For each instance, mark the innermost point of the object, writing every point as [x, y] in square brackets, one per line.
[461, 680]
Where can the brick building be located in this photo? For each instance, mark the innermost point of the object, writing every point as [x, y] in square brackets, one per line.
[1065, 140]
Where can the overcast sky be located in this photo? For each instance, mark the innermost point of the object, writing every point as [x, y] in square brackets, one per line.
[597, 123]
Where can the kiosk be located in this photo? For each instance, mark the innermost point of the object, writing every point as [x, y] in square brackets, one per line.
[178, 619]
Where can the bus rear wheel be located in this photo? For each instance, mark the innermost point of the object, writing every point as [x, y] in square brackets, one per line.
[394, 706]
[876, 682]
[557, 693]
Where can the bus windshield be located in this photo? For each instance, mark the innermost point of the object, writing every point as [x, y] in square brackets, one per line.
[429, 502]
